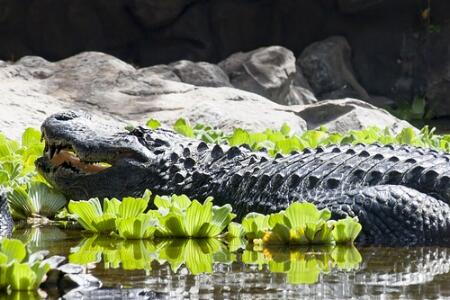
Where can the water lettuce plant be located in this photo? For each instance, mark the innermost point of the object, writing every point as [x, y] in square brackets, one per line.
[16, 274]
[17, 159]
[35, 199]
[126, 216]
[285, 141]
[176, 216]
[300, 224]
[180, 217]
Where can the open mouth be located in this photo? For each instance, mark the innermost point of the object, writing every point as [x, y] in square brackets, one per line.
[64, 157]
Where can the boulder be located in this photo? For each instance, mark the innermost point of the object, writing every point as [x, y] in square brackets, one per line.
[327, 67]
[269, 72]
[200, 73]
[34, 88]
[346, 114]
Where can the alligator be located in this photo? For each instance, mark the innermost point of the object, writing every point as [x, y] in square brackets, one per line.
[6, 221]
[400, 193]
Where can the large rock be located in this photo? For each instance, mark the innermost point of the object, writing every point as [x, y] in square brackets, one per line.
[327, 67]
[33, 88]
[200, 73]
[347, 114]
[269, 72]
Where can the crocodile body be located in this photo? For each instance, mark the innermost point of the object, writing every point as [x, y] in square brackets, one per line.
[6, 222]
[399, 193]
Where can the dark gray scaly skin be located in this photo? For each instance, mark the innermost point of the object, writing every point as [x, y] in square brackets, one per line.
[399, 193]
[6, 222]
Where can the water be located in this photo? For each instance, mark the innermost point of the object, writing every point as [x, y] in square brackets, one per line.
[220, 272]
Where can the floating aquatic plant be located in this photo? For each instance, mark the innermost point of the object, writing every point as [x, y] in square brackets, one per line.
[126, 216]
[177, 216]
[14, 272]
[17, 159]
[35, 199]
[299, 224]
[181, 217]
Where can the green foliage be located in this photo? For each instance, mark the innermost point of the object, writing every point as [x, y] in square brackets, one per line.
[177, 216]
[17, 159]
[28, 194]
[35, 199]
[127, 216]
[153, 124]
[299, 224]
[284, 141]
[181, 217]
[183, 127]
[346, 230]
[14, 272]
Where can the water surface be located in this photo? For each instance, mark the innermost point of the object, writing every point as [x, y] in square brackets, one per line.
[212, 269]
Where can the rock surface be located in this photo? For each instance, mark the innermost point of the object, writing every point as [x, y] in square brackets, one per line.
[34, 88]
[327, 67]
[200, 73]
[395, 46]
[345, 114]
[269, 72]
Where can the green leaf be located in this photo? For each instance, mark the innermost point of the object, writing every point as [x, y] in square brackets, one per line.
[222, 216]
[139, 227]
[87, 212]
[183, 127]
[279, 235]
[13, 249]
[235, 230]
[31, 137]
[285, 129]
[254, 225]
[299, 214]
[21, 276]
[181, 202]
[196, 215]
[44, 200]
[132, 207]
[153, 124]
[346, 230]
[239, 137]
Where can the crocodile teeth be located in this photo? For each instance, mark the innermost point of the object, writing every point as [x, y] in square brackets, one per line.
[51, 152]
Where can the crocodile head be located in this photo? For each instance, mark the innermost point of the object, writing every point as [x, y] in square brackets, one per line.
[86, 158]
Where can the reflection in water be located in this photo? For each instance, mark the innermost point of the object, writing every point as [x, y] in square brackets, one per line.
[186, 268]
[302, 265]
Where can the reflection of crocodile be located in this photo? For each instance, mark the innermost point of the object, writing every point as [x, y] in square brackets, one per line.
[6, 222]
[399, 193]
